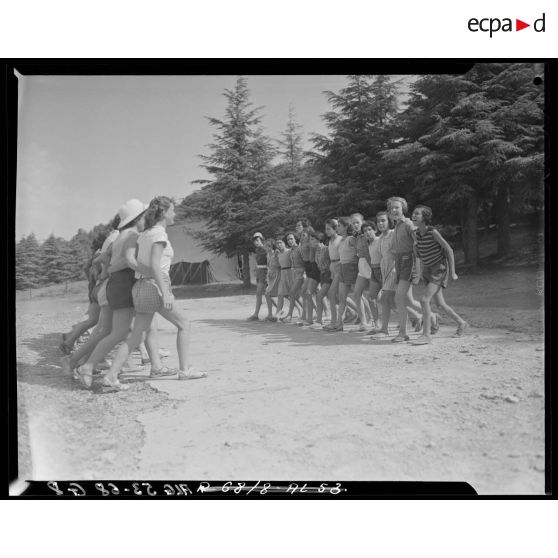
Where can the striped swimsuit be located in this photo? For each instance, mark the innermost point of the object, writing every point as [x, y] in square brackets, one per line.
[428, 248]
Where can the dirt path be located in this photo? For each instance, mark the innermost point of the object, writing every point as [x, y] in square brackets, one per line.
[283, 402]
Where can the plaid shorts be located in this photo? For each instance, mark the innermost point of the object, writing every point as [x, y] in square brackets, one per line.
[147, 296]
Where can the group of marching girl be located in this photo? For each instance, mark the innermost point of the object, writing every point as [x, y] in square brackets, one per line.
[129, 284]
[356, 266]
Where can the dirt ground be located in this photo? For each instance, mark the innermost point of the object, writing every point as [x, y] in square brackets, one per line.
[283, 402]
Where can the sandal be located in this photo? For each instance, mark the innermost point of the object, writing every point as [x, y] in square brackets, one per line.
[163, 372]
[400, 339]
[85, 379]
[191, 375]
[112, 386]
[271, 319]
[422, 340]
[378, 332]
[252, 318]
[461, 329]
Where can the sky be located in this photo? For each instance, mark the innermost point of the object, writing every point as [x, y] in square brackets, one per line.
[86, 144]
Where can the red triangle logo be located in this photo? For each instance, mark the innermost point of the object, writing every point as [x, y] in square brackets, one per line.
[519, 25]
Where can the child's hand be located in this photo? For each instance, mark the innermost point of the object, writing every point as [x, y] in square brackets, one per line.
[454, 276]
[168, 300]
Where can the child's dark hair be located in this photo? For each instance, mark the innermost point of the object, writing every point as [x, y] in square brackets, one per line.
[157, 208]
[319, 235]
[346, 222]
[98, 241]
[133, 222]
[332, 223]
[304, 222]
[115, 222]
[370, 224]
[290, 234]
[382, 213]
[402, 201]
[271, 243]
[426, 213]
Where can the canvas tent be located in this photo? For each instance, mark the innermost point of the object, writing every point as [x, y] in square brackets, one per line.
[192, 263]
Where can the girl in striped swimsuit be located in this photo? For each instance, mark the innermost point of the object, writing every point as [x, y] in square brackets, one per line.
[437, 263]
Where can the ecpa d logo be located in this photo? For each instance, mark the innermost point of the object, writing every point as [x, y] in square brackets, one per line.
[494, 24]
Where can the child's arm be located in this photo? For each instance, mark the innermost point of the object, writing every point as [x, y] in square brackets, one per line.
[156, 253]
[448, 251]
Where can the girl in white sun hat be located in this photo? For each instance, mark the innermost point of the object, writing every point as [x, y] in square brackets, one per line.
[152, 293]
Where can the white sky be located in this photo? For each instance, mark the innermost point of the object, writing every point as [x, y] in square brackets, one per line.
[86, 144]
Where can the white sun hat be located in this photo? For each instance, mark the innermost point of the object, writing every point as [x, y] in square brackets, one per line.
[130, 210]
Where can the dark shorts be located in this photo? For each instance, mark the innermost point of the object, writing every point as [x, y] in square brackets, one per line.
[376, 275]
[325, 277]
[349, 272]
[261, 275]
[119, 289]
[436, 274]
[404, 267]
[313, 272]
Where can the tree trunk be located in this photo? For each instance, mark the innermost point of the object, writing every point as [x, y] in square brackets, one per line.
[503, 221]
[246, 269]
[470, 240]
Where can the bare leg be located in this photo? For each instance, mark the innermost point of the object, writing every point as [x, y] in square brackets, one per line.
[401, 298]
[269, 302]
[79, 329]
[260, 290]
[104, 327]
[141, 325]
[343, 292]
[176, 318]
[429, 292]
[152, 345]
[320, 299]
[441, 302]
[361, 284]
[293, 295]
[332, 296]
[121, 322]
[373, 292]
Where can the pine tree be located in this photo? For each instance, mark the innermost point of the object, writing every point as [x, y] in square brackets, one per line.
[28, 263]
[360, 125]
[239, 164]
[53, 260]
[291, 145]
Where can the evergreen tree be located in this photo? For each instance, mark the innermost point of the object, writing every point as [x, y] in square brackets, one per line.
[28, 263]
[348, 159]
[239, 164]
[291, 145]
[53, 260]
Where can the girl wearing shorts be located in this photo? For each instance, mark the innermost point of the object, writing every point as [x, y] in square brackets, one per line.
[261, 273]
[362, 284]
[123, 265]
[402, 248]
[104, 322]
[286, 279]
[297, 271]
[334, 267]
[312, 277]
[348, 271]
[273, 278]
[438, 264]
[323, 263]
[152, 293]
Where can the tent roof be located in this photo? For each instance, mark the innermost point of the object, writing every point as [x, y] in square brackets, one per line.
[186, 247]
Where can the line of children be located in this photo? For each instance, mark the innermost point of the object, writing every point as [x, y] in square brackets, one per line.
[370, 262]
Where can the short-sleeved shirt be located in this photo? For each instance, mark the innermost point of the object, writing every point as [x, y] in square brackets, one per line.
[296, 257]
[333, 247]
[146, 240]
[347, 250]
[403, 239]
[109, 240]
[374, 250]
[125, 239]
